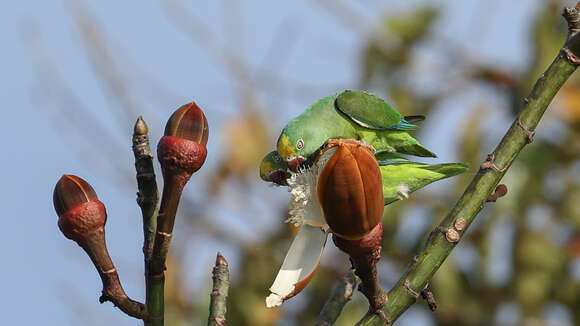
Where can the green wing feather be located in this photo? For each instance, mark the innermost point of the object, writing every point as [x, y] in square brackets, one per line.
[370, 111]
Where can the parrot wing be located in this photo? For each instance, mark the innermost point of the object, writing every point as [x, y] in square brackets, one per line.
[372, 112]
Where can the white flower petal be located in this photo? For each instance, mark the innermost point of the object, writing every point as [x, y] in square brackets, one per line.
[299, 265]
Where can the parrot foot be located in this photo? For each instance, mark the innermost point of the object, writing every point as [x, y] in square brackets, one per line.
[337, 141]
[489, 164]
[529, 133]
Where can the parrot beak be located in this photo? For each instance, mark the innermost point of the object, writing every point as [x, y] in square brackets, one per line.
[279, 177]
[294, 163]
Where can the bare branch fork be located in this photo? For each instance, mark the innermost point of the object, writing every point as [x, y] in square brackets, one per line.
[440, 244]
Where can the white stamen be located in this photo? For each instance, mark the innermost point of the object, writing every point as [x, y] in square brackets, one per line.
[304, 207]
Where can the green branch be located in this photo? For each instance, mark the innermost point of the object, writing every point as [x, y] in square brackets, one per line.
[340, 296]
[440, 244]
[219, 293]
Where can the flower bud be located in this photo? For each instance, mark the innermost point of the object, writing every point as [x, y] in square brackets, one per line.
[350, 191]
[183, 146]
[80, 211]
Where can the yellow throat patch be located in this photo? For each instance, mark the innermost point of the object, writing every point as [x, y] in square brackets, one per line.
[285, 149]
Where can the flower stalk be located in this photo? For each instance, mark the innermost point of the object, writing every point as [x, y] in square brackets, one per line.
[82, 218]
[181, 152]
[365, 253]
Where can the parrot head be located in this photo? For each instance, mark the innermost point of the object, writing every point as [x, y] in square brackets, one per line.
[296, 144]
[274, 169]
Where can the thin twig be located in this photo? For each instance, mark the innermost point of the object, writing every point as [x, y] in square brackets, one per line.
[147, 198]
[340, 296]
[219, 293]
[471, 202]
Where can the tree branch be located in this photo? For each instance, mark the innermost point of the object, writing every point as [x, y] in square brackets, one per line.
[340, 296]
[439, 246]
[219, 293]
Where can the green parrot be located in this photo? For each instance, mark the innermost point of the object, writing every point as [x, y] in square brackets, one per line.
[400, 176]
[274, 169]
[349, 114]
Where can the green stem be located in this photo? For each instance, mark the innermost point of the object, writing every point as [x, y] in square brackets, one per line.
[219, 293]
[155, 273]
[155, 300]
[437, 248]
[340, 296]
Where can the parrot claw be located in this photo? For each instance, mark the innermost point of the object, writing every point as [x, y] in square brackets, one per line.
[338, 141]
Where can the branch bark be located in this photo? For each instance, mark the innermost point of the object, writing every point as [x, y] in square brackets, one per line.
[219, 293]
[147, 198]
[438, 246]
[340, 296]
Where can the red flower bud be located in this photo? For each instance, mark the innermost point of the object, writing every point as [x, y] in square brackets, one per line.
[82, 218]
[183, 146]
[80, 211]
[181, 152]
[350, 191]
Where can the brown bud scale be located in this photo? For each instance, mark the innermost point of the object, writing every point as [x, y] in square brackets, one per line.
[188, 122]
[71, 191]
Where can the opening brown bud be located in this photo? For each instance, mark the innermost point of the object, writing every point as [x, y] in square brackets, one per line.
[80, 211]
[71, 191]
[350, 191]
[188, 122]
[183, 146]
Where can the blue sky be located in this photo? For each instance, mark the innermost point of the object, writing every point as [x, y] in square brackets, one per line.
[45, 277]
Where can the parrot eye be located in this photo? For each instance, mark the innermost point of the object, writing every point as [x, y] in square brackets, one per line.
[300, 144]
[277, 158]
